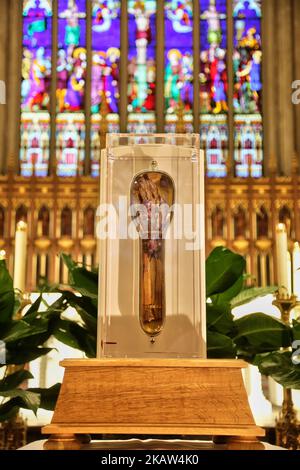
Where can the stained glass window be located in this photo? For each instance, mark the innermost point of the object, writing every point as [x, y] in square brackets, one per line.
[105, 91]
[141, 65]
[214, 85]
[247, 59]
[178, 63]
[71, 79]
[35, 88]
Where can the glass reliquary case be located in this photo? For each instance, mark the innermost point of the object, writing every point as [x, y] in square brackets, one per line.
[150, 229]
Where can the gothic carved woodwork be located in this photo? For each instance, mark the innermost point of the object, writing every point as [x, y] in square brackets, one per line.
[240, 223]
[285, 217]
[217, 223]
[43, 226]
[66, 222]
[21, 214]
[89, 222]
[2, 222]
[262, 223]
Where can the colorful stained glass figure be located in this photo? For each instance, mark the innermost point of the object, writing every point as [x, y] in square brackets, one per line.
[70, 91]
[36, 62]
[71, 60]
[178, 60]
[35, 87]
[106, 55]
[247, 60]
[141, 64]
[70, 143]
[214, 85]
[213, 68]
[247, 57]
[105, 93]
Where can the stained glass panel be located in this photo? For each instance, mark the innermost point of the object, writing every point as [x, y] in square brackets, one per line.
[70, 91]
[106, 29]
[247, 61]
[70, 143]
[178, 63]
[214, 85]
[35, 87]
[248, 138]
[214, 140]
[35, 138]
[141, 65]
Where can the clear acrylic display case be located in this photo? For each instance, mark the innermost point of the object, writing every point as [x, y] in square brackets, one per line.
[150, 228]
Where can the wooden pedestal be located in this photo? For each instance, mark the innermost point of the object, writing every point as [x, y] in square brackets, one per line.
[156, 397]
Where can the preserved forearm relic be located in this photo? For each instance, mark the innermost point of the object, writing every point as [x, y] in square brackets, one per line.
[152, 197]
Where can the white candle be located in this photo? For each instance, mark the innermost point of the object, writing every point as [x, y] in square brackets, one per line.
[281, 256]
[2, 255]
[20, 256]
[296, 270]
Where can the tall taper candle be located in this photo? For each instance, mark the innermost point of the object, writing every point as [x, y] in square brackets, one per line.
[296, 270]
[20, 256]
[281, 256]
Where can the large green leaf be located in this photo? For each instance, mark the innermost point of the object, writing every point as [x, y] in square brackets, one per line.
[48, 396]
[25, 399]
[14, 380]
[21, 329]
[220, 346]
[247, 295]
[257, 333]
[230, 293]
[83, 302]
[7, 296]
[219, 318]
[9, 410]
[85, 282]
[82, 280]
[223, 269]
[67, 259]
[280, 367]
[34, 308]
[75, 336]
[21, 356]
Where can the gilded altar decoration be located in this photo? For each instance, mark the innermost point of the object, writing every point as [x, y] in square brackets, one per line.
[152, 196]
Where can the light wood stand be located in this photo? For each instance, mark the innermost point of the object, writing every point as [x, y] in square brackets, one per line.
[154, 397]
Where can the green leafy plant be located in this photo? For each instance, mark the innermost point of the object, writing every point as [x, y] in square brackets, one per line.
[257, 338]
[22, 340]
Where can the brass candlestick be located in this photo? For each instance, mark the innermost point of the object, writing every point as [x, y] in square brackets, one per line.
[287, 427]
